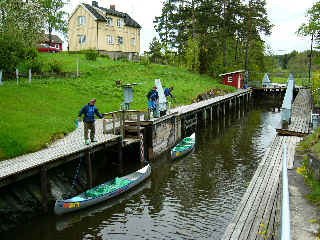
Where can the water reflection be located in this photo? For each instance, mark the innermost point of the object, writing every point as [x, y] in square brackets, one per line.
[192, 198]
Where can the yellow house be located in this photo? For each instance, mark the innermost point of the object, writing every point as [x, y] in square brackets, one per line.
[106, 30]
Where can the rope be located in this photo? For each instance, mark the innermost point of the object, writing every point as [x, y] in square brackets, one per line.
[75, 178]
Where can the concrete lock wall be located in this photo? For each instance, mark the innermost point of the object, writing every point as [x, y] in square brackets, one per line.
[165, 135]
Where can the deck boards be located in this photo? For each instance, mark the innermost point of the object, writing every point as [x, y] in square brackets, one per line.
[257, 215]
[72, 143]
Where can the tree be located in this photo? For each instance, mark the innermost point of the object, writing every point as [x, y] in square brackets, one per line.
[155, 51]
[20, 28]
[312, 29]
[55, 18]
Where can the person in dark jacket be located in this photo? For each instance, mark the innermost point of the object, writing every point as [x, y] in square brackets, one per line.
[167, 92]
[89, 111]
[153, 97]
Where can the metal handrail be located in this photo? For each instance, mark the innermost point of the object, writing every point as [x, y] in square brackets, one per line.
[285, 208]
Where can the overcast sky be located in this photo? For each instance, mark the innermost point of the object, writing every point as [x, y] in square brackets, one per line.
[285, 15]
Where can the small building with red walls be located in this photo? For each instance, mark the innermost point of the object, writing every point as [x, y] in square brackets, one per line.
[235, 79]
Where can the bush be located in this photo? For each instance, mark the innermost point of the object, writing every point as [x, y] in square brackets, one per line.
[91, 55]
[12, 52]
[55, 66]
[104, 56]
[34, 64]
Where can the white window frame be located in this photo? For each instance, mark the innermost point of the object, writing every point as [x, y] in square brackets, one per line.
[133, 42]
[82, 39]
[81, 20]
[57, 46]
[109, 21]
[120, 40]
[120, 22]
[230, 79]
[110, 39]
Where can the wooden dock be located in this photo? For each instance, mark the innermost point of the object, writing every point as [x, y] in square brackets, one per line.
[258, 215]
[300, 115]
[63, 150]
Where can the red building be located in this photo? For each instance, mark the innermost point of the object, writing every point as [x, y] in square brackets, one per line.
[235, 79]
[56, 42]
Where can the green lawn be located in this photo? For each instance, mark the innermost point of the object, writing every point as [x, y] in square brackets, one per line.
[35, 114]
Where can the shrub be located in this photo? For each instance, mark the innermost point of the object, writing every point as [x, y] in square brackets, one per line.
[91, 55]
[34, 64]
[55, 66]
[104, 56]
[12, 52]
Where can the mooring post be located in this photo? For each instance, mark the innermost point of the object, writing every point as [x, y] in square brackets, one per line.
[44, 188]
[149, 142]
[105, 155]
[120, 156]
[90, 182]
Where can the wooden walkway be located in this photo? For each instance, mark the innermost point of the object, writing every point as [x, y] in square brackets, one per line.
[198, 106]
[300, 115]
[258, 215]
[71, 144]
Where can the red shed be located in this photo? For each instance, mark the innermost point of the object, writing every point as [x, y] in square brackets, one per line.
[235, 79]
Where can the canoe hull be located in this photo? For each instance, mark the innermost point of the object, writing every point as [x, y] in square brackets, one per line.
[178, 154]
[66, 206]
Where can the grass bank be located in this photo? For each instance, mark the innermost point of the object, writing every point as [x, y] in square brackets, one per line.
[37, 113]
[311, 145]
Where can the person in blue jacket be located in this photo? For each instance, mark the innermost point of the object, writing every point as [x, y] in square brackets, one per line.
[153, 97]
[89, 111]
[167, 92]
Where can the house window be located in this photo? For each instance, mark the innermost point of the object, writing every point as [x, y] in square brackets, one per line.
[110, 39]
[120, 23]
[120, 40]
[57, 46]
[82, 20]
[82, 39]
[109, 21]
[230, 79]
[133, 42]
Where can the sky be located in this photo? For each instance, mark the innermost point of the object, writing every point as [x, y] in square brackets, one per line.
[285, 15]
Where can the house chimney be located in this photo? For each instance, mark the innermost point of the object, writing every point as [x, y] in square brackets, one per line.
[94, 4]
[113, 7]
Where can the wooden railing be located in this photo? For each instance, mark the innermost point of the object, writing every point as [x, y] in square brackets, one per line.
[117, 121]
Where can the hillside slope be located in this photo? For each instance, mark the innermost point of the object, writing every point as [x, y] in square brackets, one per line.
[37, 113]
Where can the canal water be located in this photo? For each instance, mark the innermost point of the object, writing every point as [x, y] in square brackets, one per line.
[191, 198]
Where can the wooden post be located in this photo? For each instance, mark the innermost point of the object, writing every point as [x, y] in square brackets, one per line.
[44, 188]
[211, 114]
[138, 123]
[17, 75]
[78, 67]
[149, 142]
[120, 157]
[30, 76]
[104, 125]
[122, 123]
[90, 182]
[105, 155]
[114, 123]
[1, 83]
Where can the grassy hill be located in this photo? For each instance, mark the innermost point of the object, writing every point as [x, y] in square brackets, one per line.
[37, 113]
